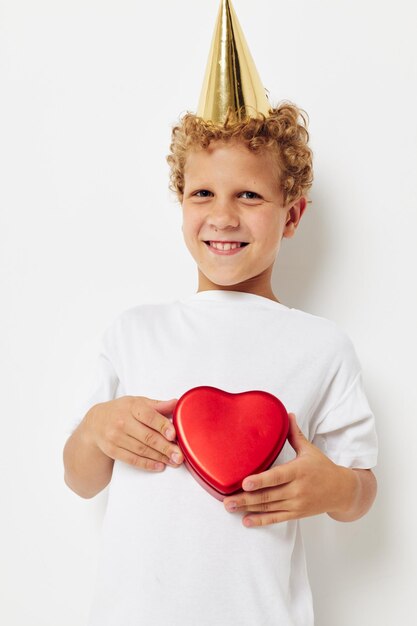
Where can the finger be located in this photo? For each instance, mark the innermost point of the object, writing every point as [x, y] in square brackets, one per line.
[140, 449]
[296, 437]
[278, 475]
[264, 507]
[120, 454]
[265, 519]
[166, 407]
[259, 497]
[153, 418]
[147, 437]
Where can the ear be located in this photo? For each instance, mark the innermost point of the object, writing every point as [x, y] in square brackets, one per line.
[294, 214]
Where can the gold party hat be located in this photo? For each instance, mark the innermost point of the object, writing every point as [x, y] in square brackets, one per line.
[231, 80]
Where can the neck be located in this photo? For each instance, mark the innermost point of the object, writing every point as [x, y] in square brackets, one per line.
[258, 285]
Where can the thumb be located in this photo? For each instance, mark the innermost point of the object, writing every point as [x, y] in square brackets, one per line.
[295, 435]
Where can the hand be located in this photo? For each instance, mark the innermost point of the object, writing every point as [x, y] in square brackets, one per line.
[308, 485]
[135, 429]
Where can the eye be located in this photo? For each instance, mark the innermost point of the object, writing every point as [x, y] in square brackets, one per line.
[252, 195]
[202, 193]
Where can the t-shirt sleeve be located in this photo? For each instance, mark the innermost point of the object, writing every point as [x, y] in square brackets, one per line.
[345, 431]
[105, 384]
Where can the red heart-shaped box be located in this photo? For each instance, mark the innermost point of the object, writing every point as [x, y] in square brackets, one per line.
[226, 436]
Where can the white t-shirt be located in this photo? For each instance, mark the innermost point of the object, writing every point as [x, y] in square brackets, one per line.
[171, 554]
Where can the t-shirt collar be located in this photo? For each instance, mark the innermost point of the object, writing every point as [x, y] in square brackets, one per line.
[238, 297]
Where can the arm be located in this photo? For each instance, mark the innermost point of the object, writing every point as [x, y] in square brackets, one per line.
[87, 469]
[360, 489]
[132, 429]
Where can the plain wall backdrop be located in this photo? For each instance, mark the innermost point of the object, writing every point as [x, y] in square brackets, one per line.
[89, 90]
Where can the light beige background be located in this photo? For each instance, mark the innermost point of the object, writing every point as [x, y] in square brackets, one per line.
[88, 228]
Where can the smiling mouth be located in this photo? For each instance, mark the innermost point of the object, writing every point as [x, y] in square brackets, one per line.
[226, 245]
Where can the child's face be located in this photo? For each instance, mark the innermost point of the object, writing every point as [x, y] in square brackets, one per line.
[233, 195]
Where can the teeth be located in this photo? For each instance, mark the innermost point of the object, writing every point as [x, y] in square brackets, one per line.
[224, 246]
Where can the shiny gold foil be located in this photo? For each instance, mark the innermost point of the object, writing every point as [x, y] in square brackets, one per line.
[231, 80]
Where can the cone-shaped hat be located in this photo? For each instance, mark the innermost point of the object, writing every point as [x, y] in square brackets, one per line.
[231, 78]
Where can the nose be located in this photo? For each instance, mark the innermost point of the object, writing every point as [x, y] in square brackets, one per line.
[222, 214]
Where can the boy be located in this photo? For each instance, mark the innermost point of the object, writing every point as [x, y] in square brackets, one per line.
[171, 553]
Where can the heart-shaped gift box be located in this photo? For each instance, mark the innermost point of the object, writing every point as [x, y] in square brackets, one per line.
[225, 437]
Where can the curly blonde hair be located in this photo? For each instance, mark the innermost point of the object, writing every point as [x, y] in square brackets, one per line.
[284, 131]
